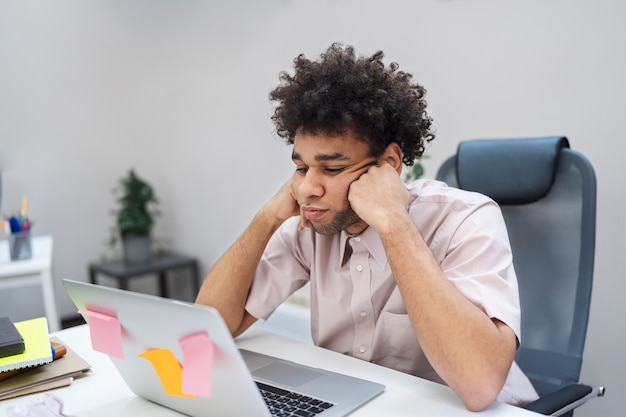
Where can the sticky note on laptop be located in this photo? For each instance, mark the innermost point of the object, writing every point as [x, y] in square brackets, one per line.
[106, 333]
[168, 369]
[198, 353]
[195, 376]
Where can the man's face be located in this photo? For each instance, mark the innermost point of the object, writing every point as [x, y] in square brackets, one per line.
[325, 167]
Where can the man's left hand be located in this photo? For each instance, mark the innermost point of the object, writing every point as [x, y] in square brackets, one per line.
[378, 195]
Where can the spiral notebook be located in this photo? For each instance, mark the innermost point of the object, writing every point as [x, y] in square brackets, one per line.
[37, 342]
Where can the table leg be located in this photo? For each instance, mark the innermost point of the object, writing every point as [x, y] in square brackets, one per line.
[49, 303]
[195, 278]
[92, 275]
[163, 283]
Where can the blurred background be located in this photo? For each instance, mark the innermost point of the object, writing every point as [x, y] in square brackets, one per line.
[178, 91]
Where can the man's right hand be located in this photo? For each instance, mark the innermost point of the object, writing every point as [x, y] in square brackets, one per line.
[284, 205]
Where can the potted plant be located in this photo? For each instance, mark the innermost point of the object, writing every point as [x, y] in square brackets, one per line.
[134, 219]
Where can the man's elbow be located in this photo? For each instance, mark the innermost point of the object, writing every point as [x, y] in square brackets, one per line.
[478, 402]
[480, 397]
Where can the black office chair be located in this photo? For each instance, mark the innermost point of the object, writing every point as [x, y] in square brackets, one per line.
[547, 193]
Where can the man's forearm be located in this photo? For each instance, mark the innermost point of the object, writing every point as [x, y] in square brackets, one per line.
[470, 352]
[226, 286]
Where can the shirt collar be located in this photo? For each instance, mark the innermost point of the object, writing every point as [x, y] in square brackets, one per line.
[371, 239]
[343, 247]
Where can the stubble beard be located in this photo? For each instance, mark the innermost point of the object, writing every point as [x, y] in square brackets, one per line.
[342, 220]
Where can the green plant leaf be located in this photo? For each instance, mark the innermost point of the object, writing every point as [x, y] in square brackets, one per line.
[136, 212]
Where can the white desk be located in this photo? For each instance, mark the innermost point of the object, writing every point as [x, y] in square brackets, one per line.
[103, 393]
[34, 271]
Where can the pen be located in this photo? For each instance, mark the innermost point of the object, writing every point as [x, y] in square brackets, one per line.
[14, 223]
[24, 207]
[58, 350]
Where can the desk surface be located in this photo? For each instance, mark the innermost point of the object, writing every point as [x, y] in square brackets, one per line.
[103, 393]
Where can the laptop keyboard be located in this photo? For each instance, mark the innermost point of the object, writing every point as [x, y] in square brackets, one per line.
[283, 403]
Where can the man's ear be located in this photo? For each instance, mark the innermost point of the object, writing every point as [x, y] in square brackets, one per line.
[393, 156]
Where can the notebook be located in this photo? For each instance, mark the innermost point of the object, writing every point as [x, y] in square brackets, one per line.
[182, 356]
[11, 341]
[36, 342]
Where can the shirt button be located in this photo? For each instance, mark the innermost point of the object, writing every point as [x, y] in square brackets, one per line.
[363, 313]
[362, 349]
[359, 268]
[357, 239]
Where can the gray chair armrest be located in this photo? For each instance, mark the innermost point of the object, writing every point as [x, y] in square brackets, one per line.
[565, 399]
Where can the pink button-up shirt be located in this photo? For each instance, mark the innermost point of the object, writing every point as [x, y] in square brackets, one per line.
[356, 306]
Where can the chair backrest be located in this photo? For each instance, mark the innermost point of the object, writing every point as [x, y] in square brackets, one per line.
[547, 193]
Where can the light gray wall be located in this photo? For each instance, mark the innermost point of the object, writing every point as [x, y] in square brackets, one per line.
[178, 90]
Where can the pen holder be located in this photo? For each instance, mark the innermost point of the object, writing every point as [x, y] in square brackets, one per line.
[19, 246]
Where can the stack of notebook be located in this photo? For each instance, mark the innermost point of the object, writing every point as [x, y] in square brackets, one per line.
[42, 364]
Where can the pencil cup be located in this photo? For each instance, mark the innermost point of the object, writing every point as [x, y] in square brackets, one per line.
[19, 246]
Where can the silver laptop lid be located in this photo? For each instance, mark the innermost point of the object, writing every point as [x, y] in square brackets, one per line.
[157, 337]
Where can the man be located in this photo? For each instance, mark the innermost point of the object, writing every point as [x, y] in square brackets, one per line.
[418, 278]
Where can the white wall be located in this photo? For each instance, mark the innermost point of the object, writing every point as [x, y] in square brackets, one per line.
[178, 90]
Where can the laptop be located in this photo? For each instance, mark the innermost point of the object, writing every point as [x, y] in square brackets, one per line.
[182, 356]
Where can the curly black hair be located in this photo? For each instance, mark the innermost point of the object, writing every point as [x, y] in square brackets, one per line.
[342, 91]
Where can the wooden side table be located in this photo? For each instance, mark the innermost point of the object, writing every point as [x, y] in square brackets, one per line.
[159, 265]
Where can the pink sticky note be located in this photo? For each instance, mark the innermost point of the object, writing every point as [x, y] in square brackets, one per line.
[106, 333]
[198, 352]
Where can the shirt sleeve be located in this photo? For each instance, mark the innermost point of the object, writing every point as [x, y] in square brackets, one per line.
[281, 271]
[475, 254]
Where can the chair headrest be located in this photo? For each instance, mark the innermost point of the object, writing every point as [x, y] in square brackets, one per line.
[510, 171]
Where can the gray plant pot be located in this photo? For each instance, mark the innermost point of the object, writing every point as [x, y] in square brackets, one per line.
[137, 249]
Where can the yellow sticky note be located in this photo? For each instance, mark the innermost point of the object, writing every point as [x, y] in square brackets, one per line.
[168, 369]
